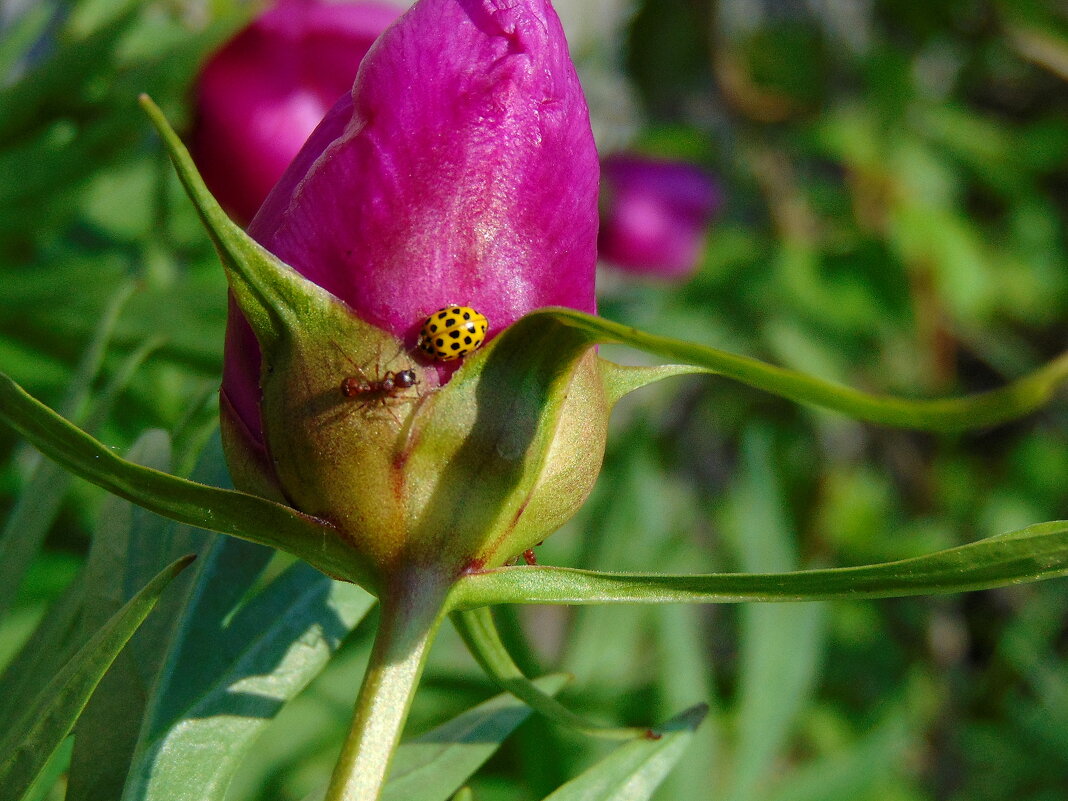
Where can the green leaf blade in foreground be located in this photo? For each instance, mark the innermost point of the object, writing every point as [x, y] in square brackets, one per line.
[1014, 400]
[633, 771]
[1032, 554]
[274, 646]
[436, 764]
[225, 511]
[27, 746]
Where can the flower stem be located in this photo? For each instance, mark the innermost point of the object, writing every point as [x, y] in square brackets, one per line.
[407, 625]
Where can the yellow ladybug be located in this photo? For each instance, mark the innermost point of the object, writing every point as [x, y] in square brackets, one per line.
[452, 333]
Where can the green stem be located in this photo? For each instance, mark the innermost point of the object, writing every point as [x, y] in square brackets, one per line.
[408, 622]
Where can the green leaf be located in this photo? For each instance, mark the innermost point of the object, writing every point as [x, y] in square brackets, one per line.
[480, 634]
[956, 414]
[39, 501]
[129, 545]
[226, 679]
[183, 704]
[780, 645]
[48, 719]
[225, 511]
[432, 766]
[41, 789]
[633, 771]
[684, 676]
[1030, 554]
[52, 643]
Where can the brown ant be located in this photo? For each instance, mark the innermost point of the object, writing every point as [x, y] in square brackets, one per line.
[384, 387]
[377, 389]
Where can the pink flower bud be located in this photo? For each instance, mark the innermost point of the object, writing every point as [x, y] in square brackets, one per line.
[655, 215]
[461, 169]
[262, 94]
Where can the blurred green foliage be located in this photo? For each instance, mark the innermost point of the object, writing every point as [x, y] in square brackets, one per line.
[895, 220]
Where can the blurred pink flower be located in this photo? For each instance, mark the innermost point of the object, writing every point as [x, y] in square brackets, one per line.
[261, 96]
[655, 215]
[461, 169]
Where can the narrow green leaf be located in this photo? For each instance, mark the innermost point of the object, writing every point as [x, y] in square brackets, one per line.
[225, 511]
[93, 357]
[434, 765]
[956, 414]
[183, 703]
[129, 546]
[465, 794]
[780, 645]
[684, 677]
[479, 632]
[1030, 554]
[633, 771]
[41, 789]
[53, 642]
[47, 720]
[40, 500]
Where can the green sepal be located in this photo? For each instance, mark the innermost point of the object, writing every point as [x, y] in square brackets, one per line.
[508, 450]
[620, 380]
[238, 514]
[274, 298]
[1030, 554]
[1006, 403]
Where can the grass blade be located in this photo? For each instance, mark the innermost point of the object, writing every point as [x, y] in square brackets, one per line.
[45, 723]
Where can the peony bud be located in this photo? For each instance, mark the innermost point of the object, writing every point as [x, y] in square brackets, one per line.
[461, 170]
[261, 95]
[655, 215]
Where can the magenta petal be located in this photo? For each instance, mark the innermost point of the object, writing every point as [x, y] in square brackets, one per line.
[463, 170]
[655, 215]
[260, 97]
